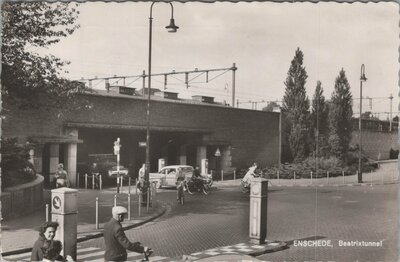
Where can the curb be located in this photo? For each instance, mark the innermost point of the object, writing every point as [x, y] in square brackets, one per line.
[93, 236]
[329, 185]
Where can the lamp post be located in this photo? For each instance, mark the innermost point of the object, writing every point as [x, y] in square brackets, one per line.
[172, 28]
[278, 109]
[362, 79]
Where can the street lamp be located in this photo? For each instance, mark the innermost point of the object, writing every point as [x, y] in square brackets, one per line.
[172, 28]
[362, 79]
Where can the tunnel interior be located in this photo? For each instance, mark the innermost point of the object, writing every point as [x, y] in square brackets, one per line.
[174, 147]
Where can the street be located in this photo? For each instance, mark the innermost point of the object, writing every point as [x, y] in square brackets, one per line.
[348, 213]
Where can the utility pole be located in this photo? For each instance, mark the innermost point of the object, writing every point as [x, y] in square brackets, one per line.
[390, 117]
[234, 68]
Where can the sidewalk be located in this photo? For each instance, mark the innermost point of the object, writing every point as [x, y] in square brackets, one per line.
[387, 173]
[19, 234]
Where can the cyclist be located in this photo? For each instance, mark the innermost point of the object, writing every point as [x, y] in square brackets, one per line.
[250, 175]
[196, 178]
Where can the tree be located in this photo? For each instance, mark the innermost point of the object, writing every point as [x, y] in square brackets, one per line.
[319, 120]
[270, 107]
[29, 79]
[296, 104]
[340, 114]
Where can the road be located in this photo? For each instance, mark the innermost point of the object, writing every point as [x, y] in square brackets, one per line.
[357, 213]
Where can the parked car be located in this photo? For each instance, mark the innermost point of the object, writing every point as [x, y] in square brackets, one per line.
[167, 175]
[123, 171]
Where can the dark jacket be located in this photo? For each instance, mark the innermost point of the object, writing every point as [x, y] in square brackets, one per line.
[117, 243]
[37, 253]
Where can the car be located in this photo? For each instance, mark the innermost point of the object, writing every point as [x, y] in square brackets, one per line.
[167, 175]
[123, 171]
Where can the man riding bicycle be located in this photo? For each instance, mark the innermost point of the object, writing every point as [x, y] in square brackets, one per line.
[250, 175]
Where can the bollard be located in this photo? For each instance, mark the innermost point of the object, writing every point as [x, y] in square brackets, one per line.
[129, 185]
[343, 177]
[311, 177]
[129, 207]
[222, 175]
[115, 200]
[85, 181]
[97, 213]
[294, 172]
[148, 200]
[47, 212]
[277, 176]
[101, 182]
[234, 175]
[64, 210]
[327, 177]
[140, 203]
[258, 210]
[136, 183]
[93, 181]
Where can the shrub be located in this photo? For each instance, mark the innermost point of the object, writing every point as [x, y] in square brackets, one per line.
[16, 168]
[303, 169]
[393, 154]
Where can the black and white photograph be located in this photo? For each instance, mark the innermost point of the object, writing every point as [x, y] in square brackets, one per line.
[199, 131]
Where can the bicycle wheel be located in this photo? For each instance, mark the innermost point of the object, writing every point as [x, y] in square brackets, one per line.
[190, 189]
[206, 189]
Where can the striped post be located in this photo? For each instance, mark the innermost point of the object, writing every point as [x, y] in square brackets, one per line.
[277, 174]
[140, 204]
[148, 200]
[47, 212]
[97, 213]
[343, 177]
[129, 185]
[129, 206]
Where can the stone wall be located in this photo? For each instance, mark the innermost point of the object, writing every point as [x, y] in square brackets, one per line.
[377, 145]
[22, 199]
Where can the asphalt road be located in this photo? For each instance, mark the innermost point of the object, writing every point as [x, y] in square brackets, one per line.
[356, 213]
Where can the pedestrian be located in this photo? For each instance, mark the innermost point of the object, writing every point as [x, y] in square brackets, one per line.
[61, 177]
[51, 252]
[94, 171]
[115, 239]
[47, 231]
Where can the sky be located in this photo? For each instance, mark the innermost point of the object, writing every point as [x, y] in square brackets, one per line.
[261, 38]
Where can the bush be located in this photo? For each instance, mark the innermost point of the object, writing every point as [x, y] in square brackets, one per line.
[303, 169]
[16, 168]
[393, 154]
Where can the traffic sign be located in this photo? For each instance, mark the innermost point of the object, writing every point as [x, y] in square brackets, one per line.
[217, 152]
[142, 144]
[56, 202]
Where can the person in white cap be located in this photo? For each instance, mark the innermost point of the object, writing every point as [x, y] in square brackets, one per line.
[115, 239]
